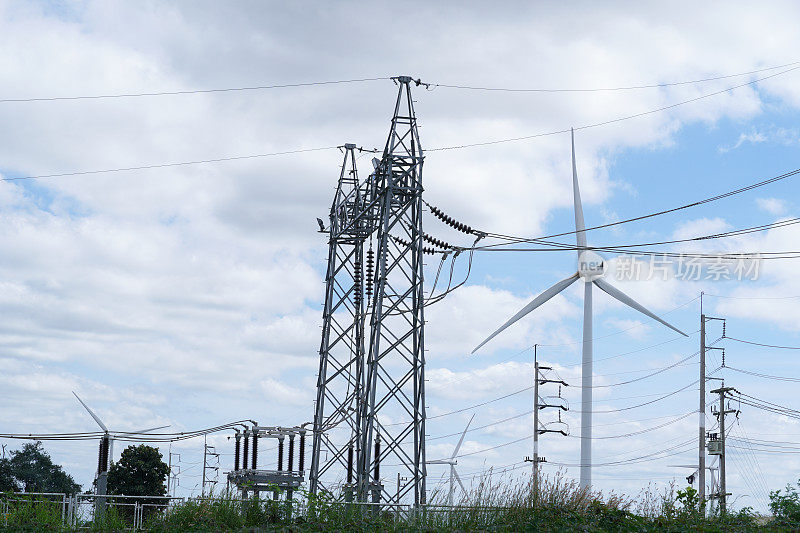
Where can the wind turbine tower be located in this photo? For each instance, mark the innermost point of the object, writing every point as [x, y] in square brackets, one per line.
[453, 462]
[591, 269]
[106, 453]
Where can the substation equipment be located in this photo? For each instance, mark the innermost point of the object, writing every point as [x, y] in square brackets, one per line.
[250, 479]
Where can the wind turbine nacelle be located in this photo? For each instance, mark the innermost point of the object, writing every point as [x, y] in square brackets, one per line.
[591, 265]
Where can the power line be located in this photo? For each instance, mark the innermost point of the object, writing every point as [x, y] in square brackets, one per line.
[168, 165]
[628, 408]
[649, 457]
[606, 89]
[126, 436]
[233, 158]
[610, 121]
[764, 345]
[383, 78]
[655, 373]
[707, 200]
[752, 297]
[190, 91]
[632, 433]
[713, 236]
[765, 376]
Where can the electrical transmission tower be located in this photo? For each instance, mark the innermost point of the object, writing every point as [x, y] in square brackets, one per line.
[371, 387]
[340, 383]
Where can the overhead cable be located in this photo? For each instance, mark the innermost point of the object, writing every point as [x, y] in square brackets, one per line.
[607, 89]
[610, 121]
[188, 91]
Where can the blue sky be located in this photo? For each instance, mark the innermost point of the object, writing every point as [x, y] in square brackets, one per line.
[191, 296]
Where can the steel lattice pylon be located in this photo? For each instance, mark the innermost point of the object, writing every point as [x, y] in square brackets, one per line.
[363, 395]
[340, 381]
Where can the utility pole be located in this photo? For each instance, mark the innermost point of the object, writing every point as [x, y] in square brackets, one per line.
[723, 494]
[205, 455]
[172, 475]
[535, 422]
[539, 379]
[209, 451]
[701, 440]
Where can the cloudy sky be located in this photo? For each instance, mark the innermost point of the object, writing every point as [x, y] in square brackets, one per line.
[191, 295]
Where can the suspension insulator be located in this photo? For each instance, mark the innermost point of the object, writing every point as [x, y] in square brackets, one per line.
[357, 283]
[370, 267]
[280, 454]
[425, 250]
[450, 221]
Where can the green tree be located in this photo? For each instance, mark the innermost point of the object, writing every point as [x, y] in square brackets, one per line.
[140, 471]
[32, 469]
[786, 507]
[7, 481]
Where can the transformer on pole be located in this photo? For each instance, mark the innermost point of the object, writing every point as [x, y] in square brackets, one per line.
[371, 378]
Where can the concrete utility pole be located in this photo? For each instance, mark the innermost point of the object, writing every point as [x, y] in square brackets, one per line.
[723, 494]
[205, 455]
[535, 424]
[701, 440]
[538, 379]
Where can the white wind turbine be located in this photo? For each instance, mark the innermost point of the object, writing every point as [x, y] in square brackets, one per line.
[591, 268]
[106, 445]
[453, 462]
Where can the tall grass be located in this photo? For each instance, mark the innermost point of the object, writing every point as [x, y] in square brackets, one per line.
[492, 504]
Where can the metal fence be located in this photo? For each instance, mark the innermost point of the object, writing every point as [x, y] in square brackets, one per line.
[79, 511]
[86, 511]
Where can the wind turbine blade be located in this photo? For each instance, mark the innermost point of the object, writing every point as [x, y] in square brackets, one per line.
[580, 225]
[627, 300]
[96, 418]
[536, 302]
[455, 473]
[461, 440]
[148, 430]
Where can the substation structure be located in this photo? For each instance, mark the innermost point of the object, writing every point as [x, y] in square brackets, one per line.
[370, 404]
[254, 480]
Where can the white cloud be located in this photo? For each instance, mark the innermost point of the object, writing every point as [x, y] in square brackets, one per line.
[752, 138]
[773, 206]
[191, 294]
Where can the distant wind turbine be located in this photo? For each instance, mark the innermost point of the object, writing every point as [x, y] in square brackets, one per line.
[453, 462]
[591, 269]
[106, 454]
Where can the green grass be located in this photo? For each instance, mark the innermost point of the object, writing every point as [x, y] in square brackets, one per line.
[491, 506]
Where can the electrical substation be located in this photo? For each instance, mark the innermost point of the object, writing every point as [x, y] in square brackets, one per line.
[368, 423]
